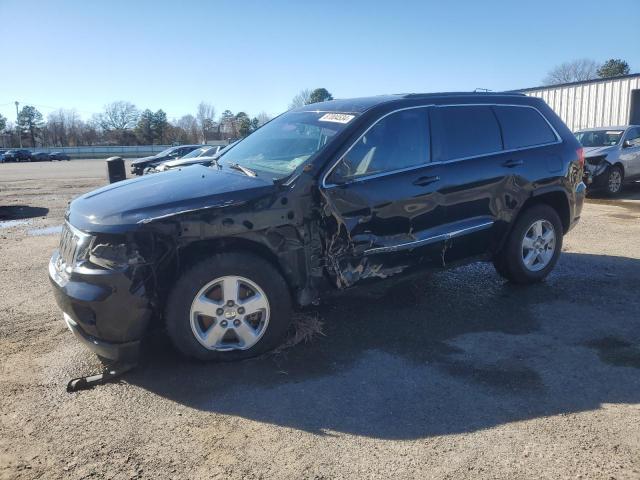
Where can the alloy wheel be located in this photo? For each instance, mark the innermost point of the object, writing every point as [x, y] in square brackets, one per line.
[229, 313]
[538, 245]
[615, 181]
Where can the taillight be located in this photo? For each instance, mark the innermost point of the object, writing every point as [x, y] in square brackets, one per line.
[580, 153]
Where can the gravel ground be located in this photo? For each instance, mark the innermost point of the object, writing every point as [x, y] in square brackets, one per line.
[458, 375]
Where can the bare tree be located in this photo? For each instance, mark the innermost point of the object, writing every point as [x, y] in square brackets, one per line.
[57, 129]
[64, 128]
[119, 116]
[263, 118]
[118, 120]
[90, 134]
[302, 98]
[575, 71]
[206, 119]
[189, 125]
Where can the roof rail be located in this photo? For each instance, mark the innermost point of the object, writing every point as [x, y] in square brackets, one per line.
[460, 94]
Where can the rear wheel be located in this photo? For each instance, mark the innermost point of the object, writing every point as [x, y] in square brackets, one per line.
[615, 176]
[228, 307]
[533, 246]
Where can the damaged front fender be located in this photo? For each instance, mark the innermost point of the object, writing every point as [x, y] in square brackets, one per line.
[596, 166]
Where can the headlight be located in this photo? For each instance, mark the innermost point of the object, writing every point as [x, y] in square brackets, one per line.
[595, 160]
[114, 256]
[74, 245]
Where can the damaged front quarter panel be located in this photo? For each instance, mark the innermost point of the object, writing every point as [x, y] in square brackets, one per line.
[596, 166]
[268, 225]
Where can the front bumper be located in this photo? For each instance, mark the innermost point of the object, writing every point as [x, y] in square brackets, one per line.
[108, 311]
[596, 176]
[127, 352]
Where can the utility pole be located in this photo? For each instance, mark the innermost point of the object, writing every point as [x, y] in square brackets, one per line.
[17, 124]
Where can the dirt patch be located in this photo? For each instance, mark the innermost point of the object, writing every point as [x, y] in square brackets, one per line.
[454, 375]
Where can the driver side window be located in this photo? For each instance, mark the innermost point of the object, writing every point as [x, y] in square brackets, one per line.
[398, 141]
[634, 137]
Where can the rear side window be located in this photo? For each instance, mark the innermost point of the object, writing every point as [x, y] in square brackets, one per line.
[523, 127]
[400, 140]
[465, 131]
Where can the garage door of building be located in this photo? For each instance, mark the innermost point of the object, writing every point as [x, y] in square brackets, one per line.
[634, 108]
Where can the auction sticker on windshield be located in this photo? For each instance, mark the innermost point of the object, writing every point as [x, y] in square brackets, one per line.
[336, 117]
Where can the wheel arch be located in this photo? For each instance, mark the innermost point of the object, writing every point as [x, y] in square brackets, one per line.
[195, 251]
[621, 167]
[556, 199]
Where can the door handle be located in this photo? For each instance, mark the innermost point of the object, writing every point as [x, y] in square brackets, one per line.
[512, 163]
[424, 181]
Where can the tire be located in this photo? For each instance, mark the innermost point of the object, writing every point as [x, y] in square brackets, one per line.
[510, 262]
[615, 177]
[187, 329]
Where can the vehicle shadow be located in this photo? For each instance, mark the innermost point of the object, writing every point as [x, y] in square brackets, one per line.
[454, 352]
[19, 212]
[631, 191]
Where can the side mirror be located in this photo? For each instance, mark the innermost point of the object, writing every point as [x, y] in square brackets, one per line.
[627, 144]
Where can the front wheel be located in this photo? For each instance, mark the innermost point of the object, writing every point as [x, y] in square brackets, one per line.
[228, 307]
[614, 181]
[533, 246]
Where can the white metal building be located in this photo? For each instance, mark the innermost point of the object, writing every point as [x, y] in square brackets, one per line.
[594, 103]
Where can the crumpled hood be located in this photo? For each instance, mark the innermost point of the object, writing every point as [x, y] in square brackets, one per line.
[598, 151]
[143, 160]
[119, 206]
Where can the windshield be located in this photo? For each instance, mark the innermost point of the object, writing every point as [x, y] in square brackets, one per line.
[198, 152]
[599, 138]
[281, 145]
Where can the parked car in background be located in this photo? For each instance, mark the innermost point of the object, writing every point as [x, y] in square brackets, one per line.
[17, 155]
[59, 156]
[312, 202]
[40, 157]
[202, 156]
[140, 165]
[612, 156]
[2, 152]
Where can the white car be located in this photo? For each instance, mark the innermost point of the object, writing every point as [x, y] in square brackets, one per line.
[200, 156]
[612, 156]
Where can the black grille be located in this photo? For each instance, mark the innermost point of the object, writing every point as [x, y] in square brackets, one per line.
[68, 245]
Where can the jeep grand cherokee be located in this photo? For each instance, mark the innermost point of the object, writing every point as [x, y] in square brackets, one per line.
[321, 198]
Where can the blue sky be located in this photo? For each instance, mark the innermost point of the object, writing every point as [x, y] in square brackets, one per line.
[255, 56]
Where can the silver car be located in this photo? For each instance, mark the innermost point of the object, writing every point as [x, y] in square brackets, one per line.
[612, 156]
[199, 156]
[209, 155]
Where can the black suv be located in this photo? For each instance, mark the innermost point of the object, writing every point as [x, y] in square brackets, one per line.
[21, 155]
[321, 198]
